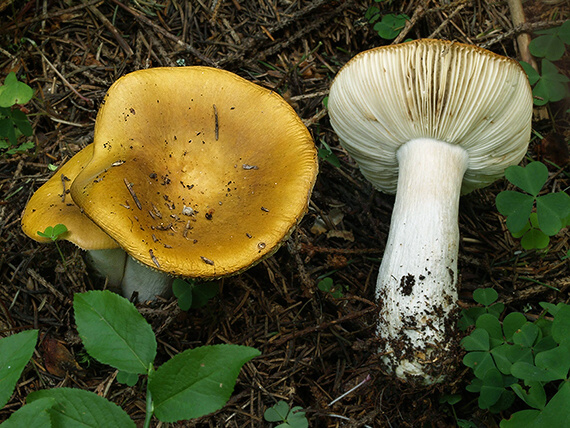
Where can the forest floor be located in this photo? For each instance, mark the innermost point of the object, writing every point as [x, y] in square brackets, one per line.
[314, 347]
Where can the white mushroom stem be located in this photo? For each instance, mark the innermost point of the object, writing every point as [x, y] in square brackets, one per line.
[417, 282]
[125, 273]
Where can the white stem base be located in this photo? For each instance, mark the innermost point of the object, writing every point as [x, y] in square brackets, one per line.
[125, 273]
[417, 281]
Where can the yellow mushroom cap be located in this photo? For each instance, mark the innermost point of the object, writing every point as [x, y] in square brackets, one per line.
[196, 171]
[51, 204]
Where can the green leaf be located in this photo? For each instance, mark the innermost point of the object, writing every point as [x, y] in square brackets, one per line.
[516, 206]
[47, 233]
[296, 418]
[557, 411]
[183, 292]
[292, 418]
[533, 75]
[501, 356]
[512, 323]
[113, 331]
[524, 230]
[390, 26]
[15, 352]
[58, 230]
[464, 423]
[505, 401]
[551, 211]
[126, 378]
[194, 294]
[492, 389]
[531, 178]
[480, 362]
[78, 408]
[450, 398]
[526, 335]
[372, 14]
[529, 372]
[534, 397]
[469, 316]
[8, 132]
[561, 323]
[277, 413]
[555, 361]
[534, 239]
[14, 92]
[548, 46]
[33, 415]
[552, 85]
[327, 154]
[197, 381]
[496, 309]
[478, 340]
[518, 353]
[564, 32]
[326, 284]
[552, 308]
[545, 344]
[485, 296]
[202, 292]
[22, 123]
[475, 386]
[21, 148]
[522, 419]
[491, 324]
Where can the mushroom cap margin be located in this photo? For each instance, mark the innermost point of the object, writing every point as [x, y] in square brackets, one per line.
[51, 204]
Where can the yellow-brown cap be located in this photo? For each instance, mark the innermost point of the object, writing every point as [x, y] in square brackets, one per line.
[51, 204]
[196, 171]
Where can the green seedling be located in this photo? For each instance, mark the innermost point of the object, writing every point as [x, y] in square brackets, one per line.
[193, 294]
[550, 43]
[54, 233]
[14, 122]
[193, 383]
[328, 286]
[289, 418]
[518, 358]
[387, 26]
[453, 399]
[326, 154]
[549, 85]
[552, 211]
[487, 297]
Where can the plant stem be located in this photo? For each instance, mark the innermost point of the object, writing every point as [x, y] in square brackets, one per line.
[60, 253]
[149, 403]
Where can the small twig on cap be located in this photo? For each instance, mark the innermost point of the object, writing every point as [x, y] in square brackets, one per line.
[133, 194]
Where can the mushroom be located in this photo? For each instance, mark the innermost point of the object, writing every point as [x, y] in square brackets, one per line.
[51, 204]
[433, 119]
[195, 172]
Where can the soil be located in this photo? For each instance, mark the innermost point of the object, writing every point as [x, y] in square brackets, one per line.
[315, 348]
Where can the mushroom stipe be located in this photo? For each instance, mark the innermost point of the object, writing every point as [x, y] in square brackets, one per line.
[427, 120]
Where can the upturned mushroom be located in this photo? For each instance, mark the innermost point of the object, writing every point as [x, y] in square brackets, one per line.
[428, 120]
[51, 204]
[196, 172]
